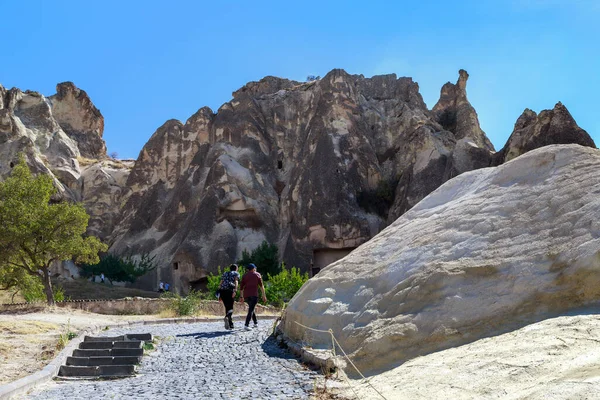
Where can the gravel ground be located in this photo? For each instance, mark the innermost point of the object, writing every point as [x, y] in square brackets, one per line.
[200, 361]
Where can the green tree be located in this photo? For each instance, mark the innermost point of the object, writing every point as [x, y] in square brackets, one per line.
[35, 232]
[265, 257]
[120, 269]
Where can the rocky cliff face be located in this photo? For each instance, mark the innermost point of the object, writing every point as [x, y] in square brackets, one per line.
[315, 167]
[56, 134]
[318, 168]
[79, 119]
[487, 251]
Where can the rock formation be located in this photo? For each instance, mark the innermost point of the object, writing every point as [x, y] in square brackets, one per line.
[79, 118]
[297, 164]
[532, 131]
[486, 251]
[318, 168]
[56, 134]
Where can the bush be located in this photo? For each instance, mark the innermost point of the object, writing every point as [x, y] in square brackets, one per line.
[34, 292]
[266, 258]
[182, 306]
[282, 287]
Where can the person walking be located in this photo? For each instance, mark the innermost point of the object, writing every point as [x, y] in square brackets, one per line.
[251, 282]
[227, 291]
[102, 277]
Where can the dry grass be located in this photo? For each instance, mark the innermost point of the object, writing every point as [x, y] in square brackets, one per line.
[26, 327]
[83, 289]
[6, 297]
[86, 161]
[167, 313]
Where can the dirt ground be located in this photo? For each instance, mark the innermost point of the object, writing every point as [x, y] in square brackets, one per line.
[28, 341]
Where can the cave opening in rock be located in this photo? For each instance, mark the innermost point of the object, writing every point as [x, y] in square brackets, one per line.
[324, 256]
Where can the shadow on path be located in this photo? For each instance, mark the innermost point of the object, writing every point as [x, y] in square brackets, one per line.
[205, 335]
[272, 348]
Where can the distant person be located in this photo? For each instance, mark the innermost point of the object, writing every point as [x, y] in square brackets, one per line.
[161, 287]
[102, 277]
[227, 290]
[251, 281]
[167, 286]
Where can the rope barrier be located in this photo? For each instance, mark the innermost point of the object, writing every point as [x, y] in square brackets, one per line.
[334, 341]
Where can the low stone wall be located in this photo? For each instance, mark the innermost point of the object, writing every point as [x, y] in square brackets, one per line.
[134, 306]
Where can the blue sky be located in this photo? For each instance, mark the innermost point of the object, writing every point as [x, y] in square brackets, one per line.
[144, 62]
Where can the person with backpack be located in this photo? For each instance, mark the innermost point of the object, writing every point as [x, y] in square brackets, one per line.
[227, 290]
[251, 282]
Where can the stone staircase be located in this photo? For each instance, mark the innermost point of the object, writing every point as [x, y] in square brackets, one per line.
[106, 357]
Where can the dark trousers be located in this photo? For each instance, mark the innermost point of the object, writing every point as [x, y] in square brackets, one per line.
[252, 300]
[227, 297]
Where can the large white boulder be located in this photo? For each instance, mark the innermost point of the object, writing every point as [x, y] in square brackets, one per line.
[488, 251]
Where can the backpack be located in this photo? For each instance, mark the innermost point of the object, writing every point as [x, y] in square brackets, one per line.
[229, 280]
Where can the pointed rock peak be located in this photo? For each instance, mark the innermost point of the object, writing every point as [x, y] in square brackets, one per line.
[532, 131]
[205, 113]
[525, 118]
[64, 89]
[463, 76]
[170, 124]
[337, 72]
[455, 114]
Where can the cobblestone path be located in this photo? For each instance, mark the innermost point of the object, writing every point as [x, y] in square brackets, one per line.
[200, 361]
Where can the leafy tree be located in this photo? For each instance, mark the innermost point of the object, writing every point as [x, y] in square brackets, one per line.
[35, 232]
[115, 268]
[265, 257]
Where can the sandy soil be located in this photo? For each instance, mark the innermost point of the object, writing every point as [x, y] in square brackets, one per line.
[558, 358]
[28, 341]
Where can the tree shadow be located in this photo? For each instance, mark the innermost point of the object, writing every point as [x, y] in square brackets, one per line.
[205, 335]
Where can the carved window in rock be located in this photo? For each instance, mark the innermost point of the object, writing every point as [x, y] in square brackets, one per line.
[175, 265]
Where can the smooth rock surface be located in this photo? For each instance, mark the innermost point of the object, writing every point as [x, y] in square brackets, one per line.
[554, 359]
[489, 250]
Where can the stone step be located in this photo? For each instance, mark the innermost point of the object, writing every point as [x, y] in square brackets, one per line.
[104, 339]
[147, 337]
[108, 352]
[97, 361]
[97, 371]
[133, 344]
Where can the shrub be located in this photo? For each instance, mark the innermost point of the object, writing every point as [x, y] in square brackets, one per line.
[34, 292]
[282, 287]
[181, 305]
